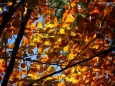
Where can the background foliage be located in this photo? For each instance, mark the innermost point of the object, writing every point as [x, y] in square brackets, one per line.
[57, 42]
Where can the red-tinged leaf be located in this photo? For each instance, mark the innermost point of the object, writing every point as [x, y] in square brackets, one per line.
[95, 11]
[41, 69]
[23, 65]
[91, 6]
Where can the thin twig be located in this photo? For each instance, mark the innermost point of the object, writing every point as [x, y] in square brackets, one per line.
[101, 52]
[15, 50]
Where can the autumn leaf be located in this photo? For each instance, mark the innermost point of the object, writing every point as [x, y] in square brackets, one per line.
[44, 59]
[66, 48]
[39, 24]
[95, 46]
[71, 56]
[32, 26]
[107, 10]
[11, 46]
[70, 18]
[30, 51]
[56, 23]
[62, 42]
[62, 31]
[23, 65]
[96, 10]
[0, 9]
[51, 69]
[24, 41]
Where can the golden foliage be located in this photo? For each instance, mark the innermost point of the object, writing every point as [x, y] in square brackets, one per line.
[61, 36]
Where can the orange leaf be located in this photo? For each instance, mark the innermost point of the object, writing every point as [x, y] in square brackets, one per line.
[56, 22]
[39, 24]
[44, 59]
[10, 46]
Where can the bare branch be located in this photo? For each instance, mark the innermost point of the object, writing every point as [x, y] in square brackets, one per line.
[15, 50]
[9, 14]
[101, 52]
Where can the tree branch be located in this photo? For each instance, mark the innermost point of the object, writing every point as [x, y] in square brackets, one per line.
[101, 52]
[9, 14]
[15, 50]
[81, 51]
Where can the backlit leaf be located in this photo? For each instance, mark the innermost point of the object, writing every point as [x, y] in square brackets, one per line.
[71, 56]
[56, 22]
[51, 69]
[95, 46]
[0, 9]
[39, 24]
[11, 46]
[44, 59]
[62, 31]
[66, 48]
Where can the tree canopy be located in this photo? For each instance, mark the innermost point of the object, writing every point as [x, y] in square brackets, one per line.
[57, 42]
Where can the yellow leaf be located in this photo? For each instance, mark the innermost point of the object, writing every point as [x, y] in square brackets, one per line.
[94, 36]
[1, 62]
[51, 69]
[73, 80]
[96, 70]
[69, 19]
[73, 4]
[71, 56]
[64, 64]
[40, 50]
[66, 48]
[0, 9]
[56, 77]
[84, 68]
[36, 40]
[61, 84]
[86, 39]
[62, 76]
[25, 10]
[46, 43]
[62, 31]
[32, 26]
[79, 73]
[9, 3]
[32, 45]
[95, 46]
[50, 25]
[31, 75]
[68, 79]
[39, 24]
[73, 33]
